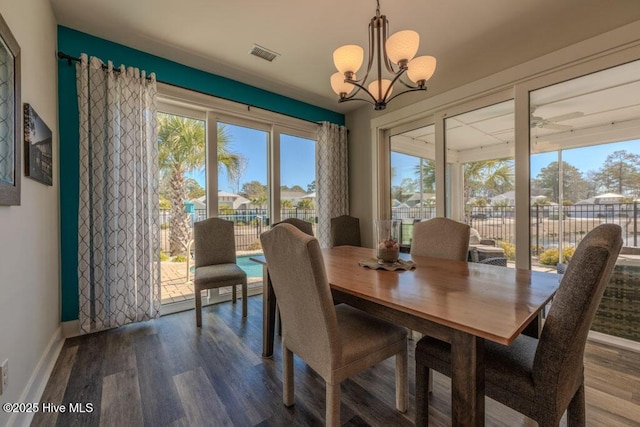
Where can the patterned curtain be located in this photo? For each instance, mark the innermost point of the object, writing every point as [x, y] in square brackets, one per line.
[332, 178]
[118, 230]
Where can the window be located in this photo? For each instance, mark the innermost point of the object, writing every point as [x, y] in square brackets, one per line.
[231, 162]
[585, 161]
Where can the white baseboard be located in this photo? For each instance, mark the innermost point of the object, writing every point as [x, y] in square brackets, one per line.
[71, 328]
[618, 342]
[38, 381]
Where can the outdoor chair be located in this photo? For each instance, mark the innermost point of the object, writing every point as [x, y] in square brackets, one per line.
[301, 225]
[335, 341]
[345, 230]
[540, 378]
[215, 261]
[441, 238]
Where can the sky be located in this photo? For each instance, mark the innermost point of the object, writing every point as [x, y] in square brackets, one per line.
[297, 158]
[585, 159]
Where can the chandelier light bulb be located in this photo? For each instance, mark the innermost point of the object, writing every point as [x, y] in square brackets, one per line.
[348, 58]
[402, 46]
[378, 91]
[338, 84]
[421, 68]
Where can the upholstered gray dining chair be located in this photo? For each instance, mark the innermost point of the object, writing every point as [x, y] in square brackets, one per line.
[215, 261]
[301, 225]
[541, 378]
[441, 238]
[335, 341]
[345, 230]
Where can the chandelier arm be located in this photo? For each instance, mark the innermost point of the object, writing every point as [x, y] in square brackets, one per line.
[408, 85]
[395, 79]
[415, 89]
[360, 87]
[356, 99]
[385, 36]
[371, 44]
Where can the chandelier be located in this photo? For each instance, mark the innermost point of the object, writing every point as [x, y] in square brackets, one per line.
[396, 52]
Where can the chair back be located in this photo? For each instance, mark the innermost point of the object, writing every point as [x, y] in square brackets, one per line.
[296, 269]
[214, 242]
[441, 238]
[345, 230]
[301, 225]
[558, 362]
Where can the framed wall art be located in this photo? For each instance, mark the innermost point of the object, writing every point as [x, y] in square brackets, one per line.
[9, 117]
[37, 147]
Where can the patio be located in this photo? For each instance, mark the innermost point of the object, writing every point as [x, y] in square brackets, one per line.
[176, 287]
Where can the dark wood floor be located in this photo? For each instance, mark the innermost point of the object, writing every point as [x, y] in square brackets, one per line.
[167, 372]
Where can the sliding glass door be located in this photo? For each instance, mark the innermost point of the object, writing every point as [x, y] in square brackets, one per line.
[413, 178]
[243, 195]
[251, 171]
[182, 155]
[480, 149]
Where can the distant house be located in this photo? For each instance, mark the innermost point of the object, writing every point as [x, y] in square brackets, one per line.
[417, 198]
[225, 200]
[508, 198]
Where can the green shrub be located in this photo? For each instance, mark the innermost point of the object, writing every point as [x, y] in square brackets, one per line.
[180, 258]
[550, 256]
[164, 256]
[509, 250]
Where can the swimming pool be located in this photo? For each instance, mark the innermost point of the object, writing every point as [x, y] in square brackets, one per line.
[253, 269]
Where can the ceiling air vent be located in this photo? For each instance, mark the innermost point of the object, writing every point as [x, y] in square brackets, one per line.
[263, 52]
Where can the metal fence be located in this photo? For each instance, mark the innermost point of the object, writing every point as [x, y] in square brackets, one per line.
[248, 224]
[498, 222]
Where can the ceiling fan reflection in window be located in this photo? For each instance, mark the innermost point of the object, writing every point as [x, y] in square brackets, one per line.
[552, 122]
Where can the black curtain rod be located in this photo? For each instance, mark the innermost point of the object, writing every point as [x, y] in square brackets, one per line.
[69, 59]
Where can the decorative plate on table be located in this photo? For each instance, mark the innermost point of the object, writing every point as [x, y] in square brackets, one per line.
[374, 264]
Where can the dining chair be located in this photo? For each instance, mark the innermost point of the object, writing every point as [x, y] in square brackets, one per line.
[335, 341]
[215, 261]
[540, 378]
[301, 225]
[345, 230]
[441, 238]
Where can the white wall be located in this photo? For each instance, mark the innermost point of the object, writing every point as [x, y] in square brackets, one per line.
[29, 233]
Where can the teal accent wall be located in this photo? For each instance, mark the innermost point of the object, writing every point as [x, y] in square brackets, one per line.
[74, 43]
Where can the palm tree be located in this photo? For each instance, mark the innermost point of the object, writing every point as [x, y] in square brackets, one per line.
[487, 175]
[181, 149]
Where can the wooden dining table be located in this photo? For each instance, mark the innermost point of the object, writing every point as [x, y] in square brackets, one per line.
[457, 302]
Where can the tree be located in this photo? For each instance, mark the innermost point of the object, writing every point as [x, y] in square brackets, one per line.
[427, 169]
[254, 190]
[311, 187]
[286, 204]
[295, 189]
[403, 192]
[305, 204]
[574, 186]
[181, 149]
[234, 179]
[194, 189]
[488, 177]
[620, 173]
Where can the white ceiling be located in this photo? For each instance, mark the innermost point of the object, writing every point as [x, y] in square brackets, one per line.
[470, 38]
